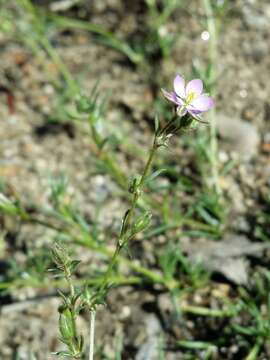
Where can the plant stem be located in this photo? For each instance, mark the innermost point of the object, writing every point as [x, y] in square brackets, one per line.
[42, 40]
[137, 193]
[211, 26]
[92, 334]
[71, 286]
[203, 311]
[253, 354]
[51, 284]
[121, 243]
[89, 243]
[108, 37]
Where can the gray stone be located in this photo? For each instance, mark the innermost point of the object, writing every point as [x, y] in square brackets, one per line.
[150, 348]
[255, 16]
[227, 257]
[238, 136]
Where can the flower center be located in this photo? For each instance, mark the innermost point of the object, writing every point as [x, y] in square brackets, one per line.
[191, 96]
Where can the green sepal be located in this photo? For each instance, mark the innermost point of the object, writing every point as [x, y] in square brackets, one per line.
[142, 222]
[124, 227]
[73, 265]
[66, 324]
[133, 184]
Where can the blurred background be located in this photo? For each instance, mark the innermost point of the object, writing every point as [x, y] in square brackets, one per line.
[80, 85]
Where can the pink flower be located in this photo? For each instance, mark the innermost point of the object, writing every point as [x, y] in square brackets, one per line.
[189, 98]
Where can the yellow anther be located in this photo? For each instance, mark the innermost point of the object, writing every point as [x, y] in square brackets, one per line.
[191, 96]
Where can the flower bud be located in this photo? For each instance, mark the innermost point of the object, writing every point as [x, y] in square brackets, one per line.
[133, 185]
[142, 222]
[66, 324]
[83, 104]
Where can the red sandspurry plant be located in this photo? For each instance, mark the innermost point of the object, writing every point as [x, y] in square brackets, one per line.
[190, 102]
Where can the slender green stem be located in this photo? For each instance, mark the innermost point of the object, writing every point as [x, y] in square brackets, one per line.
[138, 191]
[194, 345]
[60, 64]
[41, 284]
[123, 242]
[253, 354]
[92, 334]
[107, 158]
[111, 39]
[43, 41]
[203, 311]
[90, 243]
[70, 284]
[24, 216]
[211, 25]
[150, 274]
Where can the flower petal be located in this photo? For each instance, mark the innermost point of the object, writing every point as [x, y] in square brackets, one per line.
[201, 104]
[195, 86]
[179, 86]
[171, 96]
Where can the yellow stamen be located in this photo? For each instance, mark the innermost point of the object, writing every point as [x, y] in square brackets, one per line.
[191, 96]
